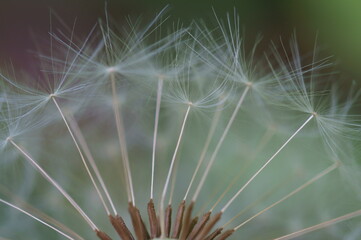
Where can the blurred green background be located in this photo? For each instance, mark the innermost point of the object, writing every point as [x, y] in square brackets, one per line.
[335, 22]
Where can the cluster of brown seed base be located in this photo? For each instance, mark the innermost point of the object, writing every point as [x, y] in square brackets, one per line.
[184, 228]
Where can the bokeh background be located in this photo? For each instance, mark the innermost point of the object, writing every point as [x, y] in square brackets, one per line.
[335, 24]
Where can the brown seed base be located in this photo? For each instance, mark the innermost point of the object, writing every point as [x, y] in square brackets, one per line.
[184, 228]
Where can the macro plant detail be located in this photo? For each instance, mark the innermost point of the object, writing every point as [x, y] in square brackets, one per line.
[146, 133]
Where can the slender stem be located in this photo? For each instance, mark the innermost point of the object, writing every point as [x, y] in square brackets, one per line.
[265, 139]
[268, 161]
[220, 142]
[81, 155]
[37, 219]
[205, 148]
[170, 171]
[55, 184]
[39, 214]
[156, 121]
[314, 179]
[229, 186]
[85, 147]
[217, 189]
[173, 182]
[122, 141]
[321, 225]
[253, 204]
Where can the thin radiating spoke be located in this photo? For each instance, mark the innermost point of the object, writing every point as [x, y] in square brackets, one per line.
[81, 155]
[37, 219]
[156, 121]
[55, 184]
[267, 162]
[170, 171]
[321, 225]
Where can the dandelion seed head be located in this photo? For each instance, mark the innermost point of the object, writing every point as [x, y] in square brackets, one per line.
[134, 120]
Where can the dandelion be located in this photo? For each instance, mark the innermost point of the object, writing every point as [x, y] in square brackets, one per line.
[239, 145]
